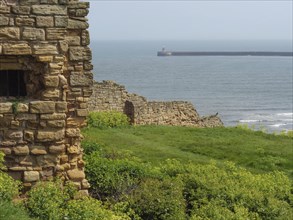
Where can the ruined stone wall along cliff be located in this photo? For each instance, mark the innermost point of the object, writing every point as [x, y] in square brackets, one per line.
[110, 96]
[44, 51]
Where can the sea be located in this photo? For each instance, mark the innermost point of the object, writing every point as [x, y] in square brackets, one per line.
[253, 91]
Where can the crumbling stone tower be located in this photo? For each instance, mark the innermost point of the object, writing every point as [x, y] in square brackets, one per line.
[45, 83]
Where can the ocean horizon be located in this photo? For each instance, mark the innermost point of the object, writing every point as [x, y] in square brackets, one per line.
[252, 90]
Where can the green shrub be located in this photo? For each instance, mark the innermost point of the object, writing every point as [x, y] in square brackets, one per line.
[8, 186]
[109, 119]
[234, 193]
[112, 178]
[173, 167]
[48, 200]
[10, 211]
[159, 200]
[91, 209]
[90, 147]
[125, 207]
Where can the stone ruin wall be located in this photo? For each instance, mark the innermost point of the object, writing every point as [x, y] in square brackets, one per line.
[40, 133]
[108, 95]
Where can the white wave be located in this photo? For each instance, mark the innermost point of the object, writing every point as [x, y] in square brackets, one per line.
[278, 125]
[249, 121]
[289, 114]
[288, 119]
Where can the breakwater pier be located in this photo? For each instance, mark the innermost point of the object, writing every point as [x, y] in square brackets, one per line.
[223, 53]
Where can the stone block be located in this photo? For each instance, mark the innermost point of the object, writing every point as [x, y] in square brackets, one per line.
[78, 5]
[33, 34]
[76, 175]
[28, 2]
[28, 135]
[74, 122]
[5, 108]
[73, 40]
[22, 108]
[61, 107]
[81, 12]
[80, 53]
[44, 58]
[77, 24]
[55, 116]
[38, 150]
[14, 124]
[74, 149]
[85, 184]
[61, 21]
[4, 21]
[17, 49]
[24, 21]
[45, 49]
[46, 136]
[72, 132]
[50, 2]
[78, 79]
[63, 159]
[4, 10]
[26, 117]
[17, 168]
[49, 9]
[31, 176]
[51, 94]
[42, 107]
[82, 112]
[45, 21]
[57, 149]
[7, 143]
[63, 45]
[21, 150]
[14, 135]
[56, 124]
[85, 38]
[56, 33]
[9, 33]
[21, 10]
[51, 81]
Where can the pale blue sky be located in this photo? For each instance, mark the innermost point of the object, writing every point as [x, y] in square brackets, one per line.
[190, 20]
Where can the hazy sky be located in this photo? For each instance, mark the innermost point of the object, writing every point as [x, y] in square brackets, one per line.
[190, 20]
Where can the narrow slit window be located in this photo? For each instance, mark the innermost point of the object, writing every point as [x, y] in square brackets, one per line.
[12, 83]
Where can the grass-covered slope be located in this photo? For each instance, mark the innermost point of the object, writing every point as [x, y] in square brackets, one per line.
[257, 151]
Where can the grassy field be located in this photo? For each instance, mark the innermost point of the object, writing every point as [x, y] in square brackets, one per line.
[256, 151]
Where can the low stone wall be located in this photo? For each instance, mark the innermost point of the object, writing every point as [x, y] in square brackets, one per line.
[110, 96]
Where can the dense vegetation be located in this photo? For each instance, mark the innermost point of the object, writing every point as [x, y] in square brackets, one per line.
[156, 172]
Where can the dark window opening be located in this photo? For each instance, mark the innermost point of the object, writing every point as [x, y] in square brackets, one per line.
[12, 83]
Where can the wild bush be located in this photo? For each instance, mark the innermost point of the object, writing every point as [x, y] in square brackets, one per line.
[108, 119]
[10, 211]
[90, 147]
[234, 193]
[91, 209]
[112, 178]
[48, 200]
[8, 186]
[159, 200]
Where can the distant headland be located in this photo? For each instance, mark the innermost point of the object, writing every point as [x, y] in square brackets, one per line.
[164, 52]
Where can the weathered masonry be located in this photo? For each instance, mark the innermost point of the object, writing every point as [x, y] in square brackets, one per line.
[45, 83]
